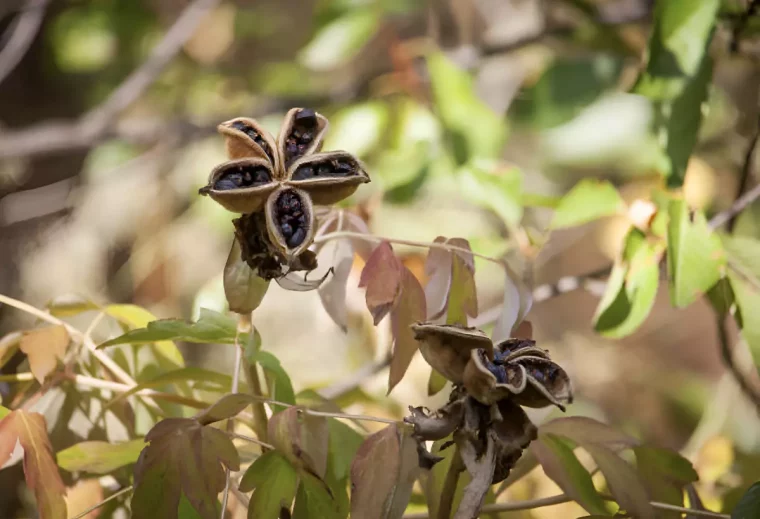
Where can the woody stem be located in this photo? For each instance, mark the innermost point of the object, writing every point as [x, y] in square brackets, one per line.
[450, 486]
[245, 326]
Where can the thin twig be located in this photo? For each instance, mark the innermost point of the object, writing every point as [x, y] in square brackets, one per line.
[251, 440]
[260, 421]
[231, 423]
[106, 500]
[25, 29]
[362, 417]
[728, 359]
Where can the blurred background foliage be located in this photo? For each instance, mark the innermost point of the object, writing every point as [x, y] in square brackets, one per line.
[473, 117]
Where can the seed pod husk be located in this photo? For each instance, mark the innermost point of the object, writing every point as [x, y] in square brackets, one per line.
[488, 382]
[290, 222]
[301, 134]
[241, 185]
[447, 347]
[328, 177]
[246, 138]
[513, 434]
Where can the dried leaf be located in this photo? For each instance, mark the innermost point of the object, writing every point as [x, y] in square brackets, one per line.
[243, 288]
[333, 293]
[384, 493]
[99, 457]
[410, 309]
[183, 457]
[273, 481]
[515, 306]
[622, 480]
[438, 267]
[40, 471]
[382, 276]
[44, 348]
[561, 465]
[301, 438]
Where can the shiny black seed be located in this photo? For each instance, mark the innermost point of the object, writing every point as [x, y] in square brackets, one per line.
[303, 172]
[498, 372]
[253, 134]
[299, 235]
[305, 118]
[323, 170]
[538, 375]
[287, 230]
[223, 184]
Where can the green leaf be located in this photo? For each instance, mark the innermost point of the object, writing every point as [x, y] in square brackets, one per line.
[313, 500]
[344, 441]
[273, 481]
[226, 407]
[464, 114]
[622, 480]
[99, 457]
[749, 505]
[302, 438]
[280, 386]
[747, 296]
[436, 383]
[695, 255]
[211, 327]
[631, 289]
[664, 474]
[243, 288]
[745, 252]
[499, 191]
[583, 430]
[135, 316]
[338, 42]
[561, 465]
[462, 297]
[589, 200]
[4, 411]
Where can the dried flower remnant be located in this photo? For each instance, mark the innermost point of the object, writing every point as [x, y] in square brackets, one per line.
[284, 177]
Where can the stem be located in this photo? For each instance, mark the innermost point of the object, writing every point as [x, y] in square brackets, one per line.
[245, 326]
[230, 423]
[728, 359]
[450, 485]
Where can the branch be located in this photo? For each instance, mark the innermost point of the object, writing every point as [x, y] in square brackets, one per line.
[94, 125]
[243, 326]
[728, 359]
[25, 29]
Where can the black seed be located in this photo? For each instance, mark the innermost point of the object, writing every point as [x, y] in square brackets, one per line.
[538, 375]
[498, 372]
[251, 132]
[305, 118]
[303, 172]
[287, 230]
[223, 184]
[299, 235]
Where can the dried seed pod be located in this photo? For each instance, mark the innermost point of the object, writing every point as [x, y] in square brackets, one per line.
[519, 371]
[290, 221]
[328, 177]
[241, 185]
[513, 434]
[301, 134]
[245, 138]
[447, 347]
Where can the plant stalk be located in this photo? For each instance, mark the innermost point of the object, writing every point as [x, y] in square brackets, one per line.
[450, 485]
[260, 421]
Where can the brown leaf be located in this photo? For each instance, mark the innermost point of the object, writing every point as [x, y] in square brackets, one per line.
[438, 267]
[243, 288]
[515, 306]
[624, 483]
[85, 494]
[382, 276]
[410, 309]
[226, 407]
[40, 470]
[333, 293]
[582, 430]
[184, 457]
[44, 347]
[301, 438]
[383, 473]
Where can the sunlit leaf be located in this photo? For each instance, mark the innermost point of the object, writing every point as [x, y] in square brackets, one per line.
[695, 255]
[136, 316]
[463, 297]
[226, 407]
[583, 430]
[664, 474]
[436, 383]
[332, 293]
[589, 200]
[410, 309]
[40, 470]
[745, 251]
[243, 288]
[99, 457]
[748, 506]
[500, 191]
[339, 41]
[85, 494]
[183, 457]
[313, 500]
[747, 296]
[44, 348]
[561, 465]
[631, 288]
[211, 327]
[302, 438]
[382, 276]
[273, 481]
[622, 480]
[280, 386]
[383, 493]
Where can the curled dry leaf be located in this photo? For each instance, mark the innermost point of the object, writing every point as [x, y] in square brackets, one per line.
[40, 470]
[383, 473]
[333, 293]
[302, 438]
[438, 267]
[243, 288]
[382, 277]
[44, 348]
[410, 308]
[515, 306]
[183, 457]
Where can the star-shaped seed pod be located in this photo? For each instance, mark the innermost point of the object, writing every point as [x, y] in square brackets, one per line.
[519, 371]
[283, 177]
[516, 368]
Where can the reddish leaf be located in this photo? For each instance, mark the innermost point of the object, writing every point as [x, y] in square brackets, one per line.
[382, 474]
[438, 267]
[333, 292]
[382, 275]
[410, 309]
[30, 430]
[44, 348]
[301, 438]
[184, 457]
[624, 483]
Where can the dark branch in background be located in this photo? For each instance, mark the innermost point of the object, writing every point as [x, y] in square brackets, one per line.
[94, 125]
[22, 33]
[728, 358]
[736, 34]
